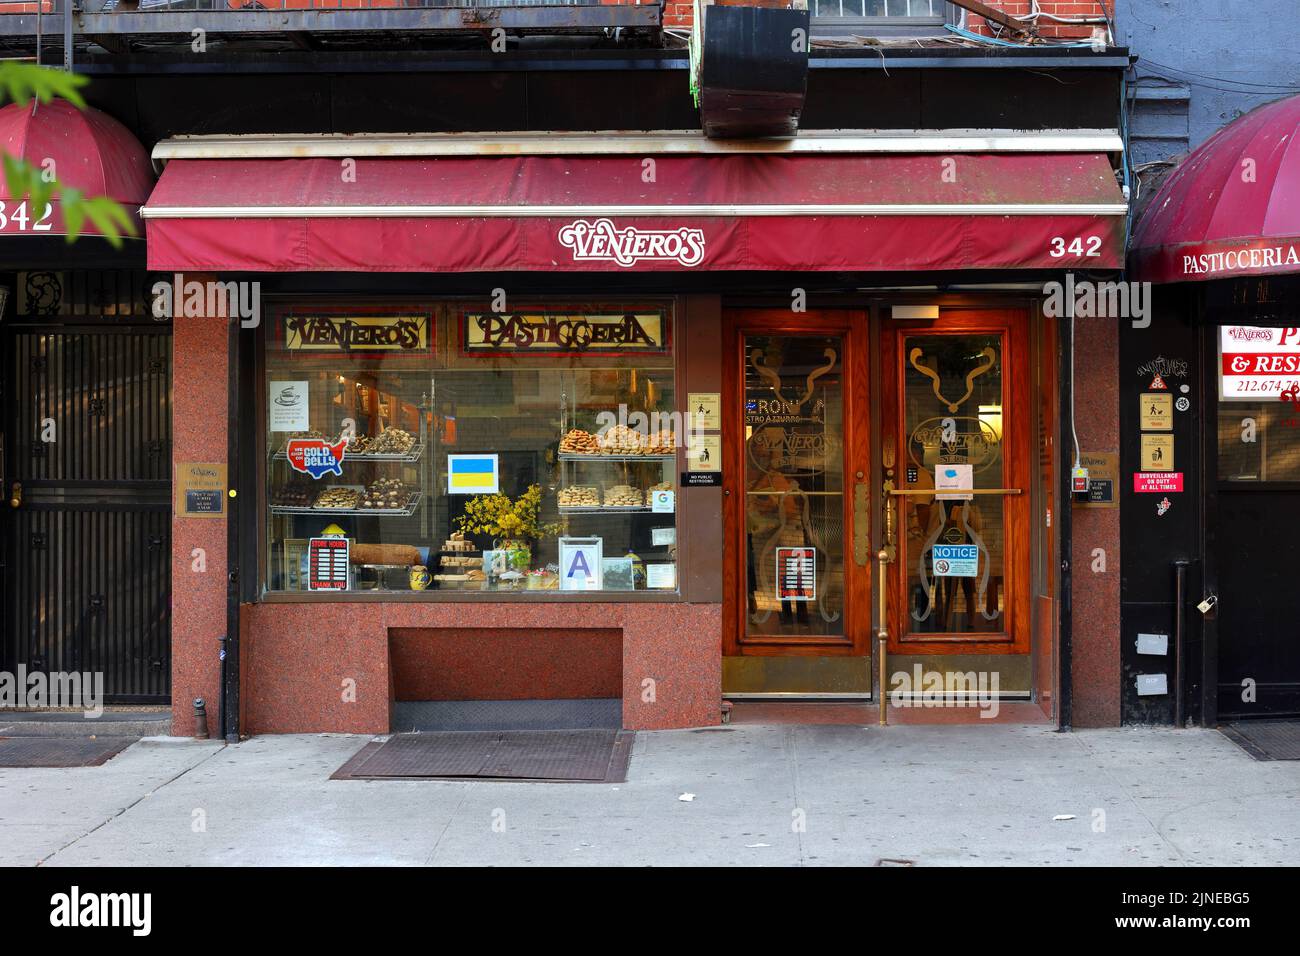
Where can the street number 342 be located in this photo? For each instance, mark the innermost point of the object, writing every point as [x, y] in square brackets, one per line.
[21, 219]
[1078, 246]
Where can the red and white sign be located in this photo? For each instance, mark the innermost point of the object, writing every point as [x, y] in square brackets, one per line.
[327, 564]
[1259, 257]
[1258, 363]
[1157, 482]
[796, 574]
[601, 239]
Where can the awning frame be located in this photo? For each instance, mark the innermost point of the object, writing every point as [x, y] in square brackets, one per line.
[548, 212]
[623, 142]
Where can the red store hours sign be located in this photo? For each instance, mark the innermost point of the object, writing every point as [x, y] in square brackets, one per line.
[796, 574]
[1157, 482]
[327, 564]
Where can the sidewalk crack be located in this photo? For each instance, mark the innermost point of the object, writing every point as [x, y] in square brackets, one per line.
[1155, 828]
[792, 760]
[121, 810]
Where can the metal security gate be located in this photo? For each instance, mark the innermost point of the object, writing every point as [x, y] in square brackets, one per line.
[87, 523]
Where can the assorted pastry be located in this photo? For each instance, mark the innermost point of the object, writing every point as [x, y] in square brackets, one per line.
[391, 441]
[458, 543]
[621, 440]
[618, 440]
[338, 498]
[662, 442]
[578, 442]
[298, 493]
[387, 493]
[623, 496]
[578, 496]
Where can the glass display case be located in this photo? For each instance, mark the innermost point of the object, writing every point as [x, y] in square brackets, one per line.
[532, 451]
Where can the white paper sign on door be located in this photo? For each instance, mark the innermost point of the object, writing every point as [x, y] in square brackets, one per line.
[954, 476]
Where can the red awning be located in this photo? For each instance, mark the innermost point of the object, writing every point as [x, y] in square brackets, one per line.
[1233, 206]
[820, 212]
[85, 149]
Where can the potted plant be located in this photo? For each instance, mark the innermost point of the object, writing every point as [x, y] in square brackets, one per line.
[512, 523]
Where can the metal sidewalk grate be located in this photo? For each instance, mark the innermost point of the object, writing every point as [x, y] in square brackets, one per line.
[1266, 739]
[593, 756]
[60, 751]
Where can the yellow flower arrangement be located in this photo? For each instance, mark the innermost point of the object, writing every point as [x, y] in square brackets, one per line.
[501, 517]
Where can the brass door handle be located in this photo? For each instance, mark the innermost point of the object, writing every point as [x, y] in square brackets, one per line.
[16, 495]
[889, 549]
[861, 522]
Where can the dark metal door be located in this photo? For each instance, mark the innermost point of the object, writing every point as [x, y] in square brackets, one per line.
[87, 523]
[1258, 601]
[1253, 463]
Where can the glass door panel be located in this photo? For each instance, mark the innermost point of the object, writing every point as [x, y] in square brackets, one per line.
[953, 547]
[956, 415]
[794, 506]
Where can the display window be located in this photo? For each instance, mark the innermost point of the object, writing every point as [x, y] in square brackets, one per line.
[456, 449]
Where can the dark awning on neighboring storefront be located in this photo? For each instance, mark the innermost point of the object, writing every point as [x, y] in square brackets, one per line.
[1232, 208]
[85, 150]
[752, 210]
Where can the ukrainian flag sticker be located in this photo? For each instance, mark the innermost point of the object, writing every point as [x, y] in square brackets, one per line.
[472, 475]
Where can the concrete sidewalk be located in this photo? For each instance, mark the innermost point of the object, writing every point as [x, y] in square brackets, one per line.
[765, 795]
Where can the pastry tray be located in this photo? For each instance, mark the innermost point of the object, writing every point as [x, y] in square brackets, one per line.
[569, 456]
[411, 506]
[598, 509]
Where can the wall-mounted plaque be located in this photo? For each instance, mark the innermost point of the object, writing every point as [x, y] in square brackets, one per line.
[1157, 453]
[705, 409]
[200, 489]
[1103, 478]
[1156, 412]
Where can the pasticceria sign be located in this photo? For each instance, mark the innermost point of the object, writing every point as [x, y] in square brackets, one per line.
[622, 332]
[352, 332]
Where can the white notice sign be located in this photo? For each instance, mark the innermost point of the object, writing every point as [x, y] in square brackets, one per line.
[661, 575]
[287, 409]
[954, 476]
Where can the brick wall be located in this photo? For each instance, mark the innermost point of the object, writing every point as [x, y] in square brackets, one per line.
[679, 15]
[1046, 28]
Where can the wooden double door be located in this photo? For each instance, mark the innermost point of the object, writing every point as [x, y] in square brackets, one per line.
[830, 419]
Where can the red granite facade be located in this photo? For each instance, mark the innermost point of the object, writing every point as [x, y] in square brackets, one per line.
[199, 363]
[310, 667]
[1095, 664]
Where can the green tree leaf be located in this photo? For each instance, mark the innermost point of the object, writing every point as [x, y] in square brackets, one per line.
[109, 218]
[22, 83]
